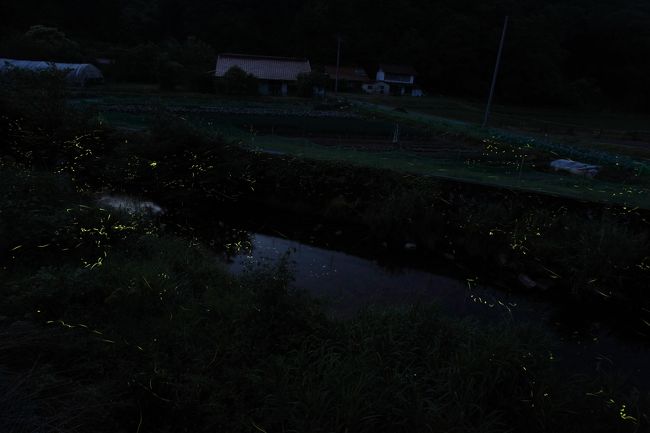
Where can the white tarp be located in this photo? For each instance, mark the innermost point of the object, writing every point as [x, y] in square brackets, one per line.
[78, 74]
[575, 167]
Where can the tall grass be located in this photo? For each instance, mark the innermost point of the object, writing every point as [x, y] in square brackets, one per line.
[116, 326]
[181, 344]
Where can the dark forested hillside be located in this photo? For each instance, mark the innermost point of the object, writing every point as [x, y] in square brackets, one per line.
[578, 52]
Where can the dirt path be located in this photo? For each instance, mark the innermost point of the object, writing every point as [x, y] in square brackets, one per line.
[205, 109]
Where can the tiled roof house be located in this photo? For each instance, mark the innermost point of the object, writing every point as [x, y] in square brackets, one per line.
[347, 73]
[351, 78]
[274, 73]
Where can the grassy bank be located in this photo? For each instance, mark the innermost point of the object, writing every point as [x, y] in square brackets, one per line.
[116, 322]
[572, 248]
[430, 146]
[519, 117]
[116, 326]
[567, 247]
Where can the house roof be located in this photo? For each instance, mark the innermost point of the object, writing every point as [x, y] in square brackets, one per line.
[398, 69]
[348, 73]
[264, 67]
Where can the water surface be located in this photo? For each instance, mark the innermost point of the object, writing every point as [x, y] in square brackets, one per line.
[347, 284]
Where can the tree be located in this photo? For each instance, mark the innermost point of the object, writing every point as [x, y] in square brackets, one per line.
[138, 64]
[550, 47]
[198, 58]
[170, 74]
[237, 82]
[310, 82]
[43, 43]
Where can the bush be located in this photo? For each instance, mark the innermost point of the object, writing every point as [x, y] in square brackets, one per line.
[39, 127]
[182, 345]
[170, 74]
[37, 96]
[198, 59]
[237, 82]
[310, 83]
[32, 112]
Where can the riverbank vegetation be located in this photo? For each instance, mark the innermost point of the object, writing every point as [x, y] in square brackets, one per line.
[383, 137]
[122, 322]
[110, 324]
[580, 250]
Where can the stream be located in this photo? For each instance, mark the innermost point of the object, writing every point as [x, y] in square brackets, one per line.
[346, 284]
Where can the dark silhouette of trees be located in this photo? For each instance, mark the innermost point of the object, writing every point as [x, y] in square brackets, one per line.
[556, 52]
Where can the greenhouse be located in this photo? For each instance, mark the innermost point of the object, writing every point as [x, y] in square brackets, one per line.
[77, 74]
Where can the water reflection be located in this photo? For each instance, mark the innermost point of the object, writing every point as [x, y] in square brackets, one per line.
[348, 283]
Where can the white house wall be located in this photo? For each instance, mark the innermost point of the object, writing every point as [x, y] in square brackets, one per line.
[394, 78]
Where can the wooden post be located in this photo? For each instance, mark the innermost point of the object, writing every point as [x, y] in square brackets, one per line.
[338, 59]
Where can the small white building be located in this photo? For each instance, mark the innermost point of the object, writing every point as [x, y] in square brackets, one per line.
[275, 74]
[77, 74]
[399, 78]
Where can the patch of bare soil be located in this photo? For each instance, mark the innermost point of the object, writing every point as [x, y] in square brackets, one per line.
[431, 147]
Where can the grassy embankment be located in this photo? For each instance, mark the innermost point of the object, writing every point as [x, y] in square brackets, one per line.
[557, 121]
[111, 324]
[446, 149]
[571, 247]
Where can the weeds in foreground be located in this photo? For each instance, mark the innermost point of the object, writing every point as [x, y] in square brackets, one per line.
[156, 336]
[160, 337]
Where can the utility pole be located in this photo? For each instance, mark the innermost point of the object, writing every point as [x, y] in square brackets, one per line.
[496, 72]
[338, 59]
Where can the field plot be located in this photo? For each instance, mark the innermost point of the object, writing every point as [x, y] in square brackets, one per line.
[377, 135]
[551, 120]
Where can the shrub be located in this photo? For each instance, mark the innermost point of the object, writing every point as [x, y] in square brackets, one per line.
[310, 83]
[237, 82]
[32, 112]
[170, 74]
[39, 127]
[406, 216]
[38, 96]
[198, 59]
[184, 346]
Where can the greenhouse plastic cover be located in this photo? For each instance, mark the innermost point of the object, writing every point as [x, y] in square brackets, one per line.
[77, 73]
